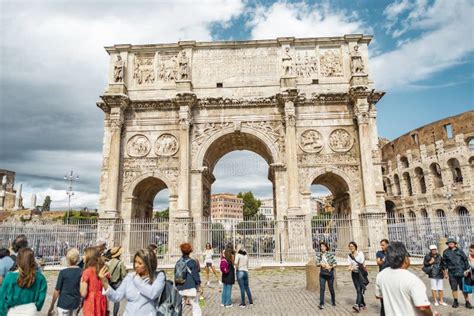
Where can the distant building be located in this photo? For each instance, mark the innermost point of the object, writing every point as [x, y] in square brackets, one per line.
[317, 205]
[266, 209]
[226, 208]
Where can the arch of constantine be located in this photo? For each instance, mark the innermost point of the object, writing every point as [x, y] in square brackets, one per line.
[305, 105]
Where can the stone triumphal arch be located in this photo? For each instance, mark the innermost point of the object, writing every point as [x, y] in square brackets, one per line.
[307, 106]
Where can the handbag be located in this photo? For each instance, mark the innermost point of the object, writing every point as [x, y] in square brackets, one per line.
[325, 272]
[427, 269]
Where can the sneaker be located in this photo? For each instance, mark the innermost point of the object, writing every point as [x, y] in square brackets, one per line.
[436, 303]
[229, 306]
[321, 306]
[443, 304]
[468, 305]
[222, 305]
[251, 303]
[333, 303]
[220, 282]
[242, 306]
[356, 308]
[455, 304]
[208, 283]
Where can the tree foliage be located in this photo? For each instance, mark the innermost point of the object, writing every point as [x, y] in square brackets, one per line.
[251, 204]
[165, 214]
[46, 204]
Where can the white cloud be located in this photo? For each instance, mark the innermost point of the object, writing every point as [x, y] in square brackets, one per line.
[300, 19]
[445, 40]
[59, 198]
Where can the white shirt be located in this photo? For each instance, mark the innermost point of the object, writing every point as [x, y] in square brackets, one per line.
[208, 255]
[359, 257]
[401, 291]
[241, 262]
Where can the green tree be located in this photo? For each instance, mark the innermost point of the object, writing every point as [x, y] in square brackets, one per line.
[165, 214]
[251, 204]
[46, 204]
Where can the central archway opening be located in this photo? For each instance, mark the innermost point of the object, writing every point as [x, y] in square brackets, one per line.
[331, 220]
[239, 198]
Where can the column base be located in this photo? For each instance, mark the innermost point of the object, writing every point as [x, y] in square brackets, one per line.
[117, 88]
[359, 80]
[184, 86]
[288, 82]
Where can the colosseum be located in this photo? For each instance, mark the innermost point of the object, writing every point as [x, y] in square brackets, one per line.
[428, 178]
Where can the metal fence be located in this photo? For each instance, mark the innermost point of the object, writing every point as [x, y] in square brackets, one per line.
[267, 242]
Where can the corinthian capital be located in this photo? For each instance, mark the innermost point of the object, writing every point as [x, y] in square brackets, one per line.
[290, 95]
[120, 101]
[361, 114]
[185, 99]
[116, 124]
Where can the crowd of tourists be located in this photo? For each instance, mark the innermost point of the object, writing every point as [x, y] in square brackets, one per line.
[96, 281]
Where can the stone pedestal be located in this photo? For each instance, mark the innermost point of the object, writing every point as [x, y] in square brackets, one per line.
[312, 276]
[287, 82]
[117, 88]
[359, 80]
[184, 86]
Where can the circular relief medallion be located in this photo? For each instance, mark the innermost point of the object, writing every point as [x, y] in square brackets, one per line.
[340, 140]
[166, 145]
[311, 141]
[138, 146]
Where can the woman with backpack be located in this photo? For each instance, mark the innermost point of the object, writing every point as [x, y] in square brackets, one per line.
[242, 267]
[433, 267]
[228, 275]
[187, 279]
[141, 288]
[356, 266]
[23, 291]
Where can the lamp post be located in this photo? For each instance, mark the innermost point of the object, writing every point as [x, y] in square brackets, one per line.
[70, 178]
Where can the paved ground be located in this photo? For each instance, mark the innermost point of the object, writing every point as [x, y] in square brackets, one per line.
[282, 292]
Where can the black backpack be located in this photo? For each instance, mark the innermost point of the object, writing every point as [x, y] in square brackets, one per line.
[169, 303]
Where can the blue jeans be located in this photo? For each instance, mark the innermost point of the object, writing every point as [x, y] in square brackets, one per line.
[226, 294]
[322, 287]
[243, 279]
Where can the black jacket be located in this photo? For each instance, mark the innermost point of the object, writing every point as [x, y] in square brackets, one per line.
[437, 266]
[455, 261]
[229, 278]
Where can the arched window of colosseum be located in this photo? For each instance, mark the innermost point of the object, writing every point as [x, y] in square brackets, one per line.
[396, 180]
[436, 173]
[464, 219]
[404, 161]
[407, 179]
[453, 164]
[387, 186]
[442, 223]
[425, 222]
[413, 229]
[421, 179]
[470, 144]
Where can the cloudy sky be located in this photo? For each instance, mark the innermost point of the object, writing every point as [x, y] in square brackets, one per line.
[53, 68]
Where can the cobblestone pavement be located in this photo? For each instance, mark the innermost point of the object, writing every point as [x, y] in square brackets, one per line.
[282, 292]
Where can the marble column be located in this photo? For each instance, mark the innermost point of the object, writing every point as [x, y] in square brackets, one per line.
[117, 105]
[362, 116]
[289, 98]
[18, 205]
[185, 101]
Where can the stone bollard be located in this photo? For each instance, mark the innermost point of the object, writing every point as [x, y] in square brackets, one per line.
[442, 245]
[312, 276]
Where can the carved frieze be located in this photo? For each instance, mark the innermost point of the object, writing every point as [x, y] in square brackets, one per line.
[340, 140]
[327, 159]
[306, 65]
[138, 146]
[228, 102]
[311, 141]
[166, 145]
[168, 67]
[331, 62]
[153, 105]
[144, 70]
[273, 131]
